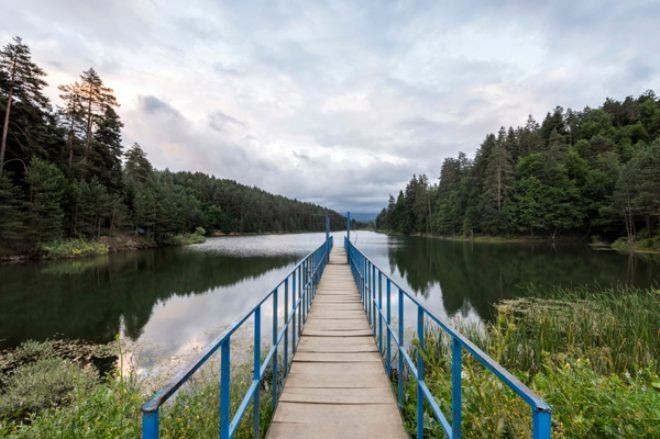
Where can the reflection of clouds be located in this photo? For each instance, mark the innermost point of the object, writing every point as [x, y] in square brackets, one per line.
[180, 326]
[264, 245]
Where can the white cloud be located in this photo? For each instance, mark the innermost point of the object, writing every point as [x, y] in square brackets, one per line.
[337, 102]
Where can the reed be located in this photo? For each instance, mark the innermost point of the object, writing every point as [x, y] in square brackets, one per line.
[592, 355]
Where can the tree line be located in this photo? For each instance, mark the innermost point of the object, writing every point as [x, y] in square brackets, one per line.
[64, 173]
[589, 173]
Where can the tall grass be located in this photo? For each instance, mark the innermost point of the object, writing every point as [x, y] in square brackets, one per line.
[616, 329]
[592, 356]
[109, 407]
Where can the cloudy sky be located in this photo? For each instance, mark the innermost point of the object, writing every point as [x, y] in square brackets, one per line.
[335, 102]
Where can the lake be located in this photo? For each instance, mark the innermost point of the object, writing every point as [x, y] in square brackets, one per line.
[171, 301]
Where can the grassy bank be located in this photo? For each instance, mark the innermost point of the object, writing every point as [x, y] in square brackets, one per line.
[593, 357]
[645, 245]
[73, 248]
[197, 237]
[76, 248]
[486, 239]
[47, 392]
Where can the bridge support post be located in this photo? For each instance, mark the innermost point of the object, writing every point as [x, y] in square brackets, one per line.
[150, 425]
[293, 310]
[380, 312]
[256, 401]
[225, 388]
[286, 326]
[275, 359]
[373, 298]
[541, 425]
[420, 372]
[327, 238]
[400, 356]
[388, 347]
[456, 404]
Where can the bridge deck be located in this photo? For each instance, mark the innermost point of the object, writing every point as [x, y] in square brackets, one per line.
[337, 386]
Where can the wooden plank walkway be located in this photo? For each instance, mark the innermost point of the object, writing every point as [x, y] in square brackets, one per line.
[337, 386]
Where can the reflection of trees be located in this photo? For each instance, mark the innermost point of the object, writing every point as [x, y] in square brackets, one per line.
[86, 301]
[482, 274]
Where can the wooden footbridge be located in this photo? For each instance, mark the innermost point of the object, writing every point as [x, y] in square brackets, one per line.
[337, 386]
[337, 360]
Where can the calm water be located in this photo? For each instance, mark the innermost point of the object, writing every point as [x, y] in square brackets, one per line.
[175, 300]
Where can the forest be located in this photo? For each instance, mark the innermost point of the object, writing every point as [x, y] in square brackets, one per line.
[64, 173]
[592, 174]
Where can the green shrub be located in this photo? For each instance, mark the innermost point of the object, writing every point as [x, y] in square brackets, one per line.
[592, 356]
[73, 248]
[110, 408]
[188, 238]
[48, 382]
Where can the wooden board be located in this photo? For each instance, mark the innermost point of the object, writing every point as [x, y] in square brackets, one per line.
[337, 386]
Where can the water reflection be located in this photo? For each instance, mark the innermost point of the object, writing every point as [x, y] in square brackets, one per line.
[471, 277]
[172, 301]
[91, 299]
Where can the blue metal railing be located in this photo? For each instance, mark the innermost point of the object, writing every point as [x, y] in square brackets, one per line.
[370, 283]
[303, 280]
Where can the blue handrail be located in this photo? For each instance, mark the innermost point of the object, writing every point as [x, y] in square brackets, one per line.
[370, 283]
[303, 280]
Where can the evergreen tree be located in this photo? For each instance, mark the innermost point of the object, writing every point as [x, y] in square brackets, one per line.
[589, 172]
[22, 80]
[11, 214]
[106, 151]
[72, 115]
[94, 98]
[44, 212]
[496, 183]
[137, 166]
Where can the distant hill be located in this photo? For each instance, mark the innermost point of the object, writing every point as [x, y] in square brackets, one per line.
[364, 217]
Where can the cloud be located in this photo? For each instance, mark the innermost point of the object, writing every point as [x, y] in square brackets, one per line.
[338, 103]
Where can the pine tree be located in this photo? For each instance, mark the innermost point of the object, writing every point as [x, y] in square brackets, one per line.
[11, 215]
[44, 212]
[106, 151]
[24, 83]
[496, 183]
[94, 98]
[137, 166]
[72, 115]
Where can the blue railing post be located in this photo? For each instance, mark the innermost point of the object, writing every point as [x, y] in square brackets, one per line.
[367, 275]
[275, 368]
[541, 425]
[456, 370]
[388, 347]
[303, 300]
[301, 285]
[310, 288]
[380, 312]
[420, 372]
[327, 238]
[256, 401]
[293, 311]
[225, 388]
[373, 298]
[150, 425]
[286, 326]
[400, 356]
